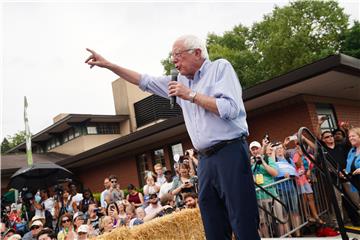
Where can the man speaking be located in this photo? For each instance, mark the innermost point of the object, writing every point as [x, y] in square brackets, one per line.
[210, 96]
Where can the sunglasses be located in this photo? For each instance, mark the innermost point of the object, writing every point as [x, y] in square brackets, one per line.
[65, 220]
[34, 227]
[113, 181]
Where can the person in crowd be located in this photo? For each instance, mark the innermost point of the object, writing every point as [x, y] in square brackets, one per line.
[74, 197]
[353, 165]
[14, 216]
[151, 186]
[154, 204]
[176, 169]
[340, 135]
[8, 233]
[122, 211]
[210, 96]
[167, 186]
[287, 190]
[78, 220]
[184, 184]
[93, 219]
[134, 197]
[159, 171]
[191, 155]
[107, 185]
[191, 200]
[336, 155]
[168, 199]
[47, 234]
[112, 210]
[64, 205]
[87, 199]
[36, 225]
[67, 228]
[264, 171]
[83, 232]
[107, 224]
[116, 194]
[46, 208]
[303, 168]
[135, 216]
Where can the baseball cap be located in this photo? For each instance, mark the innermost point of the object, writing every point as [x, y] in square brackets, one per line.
[36, 223]
[83, 228]
[77, 214]
[254, 144]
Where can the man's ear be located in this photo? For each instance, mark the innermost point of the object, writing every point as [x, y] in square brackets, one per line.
[198, 52]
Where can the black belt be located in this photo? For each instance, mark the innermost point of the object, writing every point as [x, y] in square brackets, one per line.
[216, 147]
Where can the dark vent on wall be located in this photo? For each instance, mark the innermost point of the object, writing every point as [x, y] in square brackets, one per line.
[154, 108]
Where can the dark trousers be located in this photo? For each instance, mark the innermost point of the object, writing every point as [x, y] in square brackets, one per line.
[227, 197]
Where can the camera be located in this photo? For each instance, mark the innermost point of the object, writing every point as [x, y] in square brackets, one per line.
[166, 211]
[257, 159]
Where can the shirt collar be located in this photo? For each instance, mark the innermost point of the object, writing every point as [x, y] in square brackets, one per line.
[202, 70]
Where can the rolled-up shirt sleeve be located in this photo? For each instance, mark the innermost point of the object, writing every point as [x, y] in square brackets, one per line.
[155, 85]
[228, 92]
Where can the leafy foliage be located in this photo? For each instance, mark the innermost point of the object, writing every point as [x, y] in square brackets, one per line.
[288, 38]
[12, 141]
[351, 44]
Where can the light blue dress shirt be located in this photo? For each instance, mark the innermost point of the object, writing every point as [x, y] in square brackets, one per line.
[216, 79]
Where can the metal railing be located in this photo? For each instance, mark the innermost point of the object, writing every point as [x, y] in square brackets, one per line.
[284, 210]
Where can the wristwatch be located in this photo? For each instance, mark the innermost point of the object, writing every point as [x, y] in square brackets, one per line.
[192, 96]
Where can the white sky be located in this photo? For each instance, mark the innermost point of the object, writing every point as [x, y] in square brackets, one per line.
[43, 49]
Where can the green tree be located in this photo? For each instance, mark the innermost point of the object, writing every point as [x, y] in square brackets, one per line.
[288, 38]
[351, 44]
[235, 47]
[5, 145]
[298, 34]
[12, 141]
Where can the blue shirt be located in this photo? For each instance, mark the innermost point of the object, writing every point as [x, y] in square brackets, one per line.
[352, 157]
[215, 79]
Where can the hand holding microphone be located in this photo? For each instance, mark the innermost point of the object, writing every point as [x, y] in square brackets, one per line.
[174, 75]
[177, 89]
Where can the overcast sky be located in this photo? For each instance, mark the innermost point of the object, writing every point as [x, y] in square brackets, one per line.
[43, 49]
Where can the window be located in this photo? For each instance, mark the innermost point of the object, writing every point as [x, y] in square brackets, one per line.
[91, 130]
[326, 110]
[142, 166]
[158, 157]
[108, 128]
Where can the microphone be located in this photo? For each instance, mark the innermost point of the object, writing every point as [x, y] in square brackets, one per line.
[174, 75]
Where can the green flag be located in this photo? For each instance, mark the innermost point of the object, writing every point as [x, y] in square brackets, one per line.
[27, 135]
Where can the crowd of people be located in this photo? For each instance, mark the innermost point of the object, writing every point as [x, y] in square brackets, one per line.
[65, 213]
[62, 212]
[273, 161]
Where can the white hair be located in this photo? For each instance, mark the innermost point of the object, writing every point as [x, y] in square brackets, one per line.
[193, 42]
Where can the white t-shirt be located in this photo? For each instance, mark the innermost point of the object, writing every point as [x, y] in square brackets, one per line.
[48, 204]
[77, 198]
[165, 188]
[152, 209]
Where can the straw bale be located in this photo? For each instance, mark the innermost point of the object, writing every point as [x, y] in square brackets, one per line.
[186, 224]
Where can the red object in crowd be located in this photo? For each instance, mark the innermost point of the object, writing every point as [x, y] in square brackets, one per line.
[326, 232]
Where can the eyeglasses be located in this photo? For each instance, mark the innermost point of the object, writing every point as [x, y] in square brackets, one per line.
[34, 227]
[177, 55]
[65, 220]
[113, 181]
[328, 136]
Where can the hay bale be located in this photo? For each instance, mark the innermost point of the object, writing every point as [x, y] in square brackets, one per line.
[186, 224]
